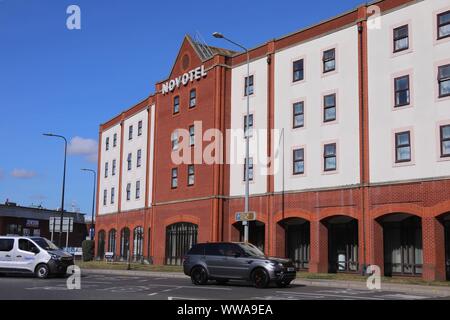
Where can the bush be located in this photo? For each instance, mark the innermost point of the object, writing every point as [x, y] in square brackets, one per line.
[88, 250]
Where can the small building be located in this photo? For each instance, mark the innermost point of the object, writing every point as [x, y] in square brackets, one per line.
[35, 221]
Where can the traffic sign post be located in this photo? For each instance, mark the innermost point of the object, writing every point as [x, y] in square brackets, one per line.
[54, 224]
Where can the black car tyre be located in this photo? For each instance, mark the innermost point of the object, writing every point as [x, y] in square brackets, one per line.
[260, 278]
[42, 271]
[283, 283]
[199, 276]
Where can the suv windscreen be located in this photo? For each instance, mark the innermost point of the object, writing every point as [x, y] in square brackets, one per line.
[251, 250]
[45, 244]
[6, 244]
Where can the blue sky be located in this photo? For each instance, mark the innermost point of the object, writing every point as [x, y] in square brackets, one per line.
[69, 81]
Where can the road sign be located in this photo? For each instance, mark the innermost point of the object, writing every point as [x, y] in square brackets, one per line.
[246, 216]
[66, 227]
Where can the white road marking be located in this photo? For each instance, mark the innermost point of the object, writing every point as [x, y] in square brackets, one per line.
[403, 296]
[183, 298]
[332, 295]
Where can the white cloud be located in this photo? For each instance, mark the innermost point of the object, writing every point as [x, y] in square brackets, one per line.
[23, 174]
[83, 147]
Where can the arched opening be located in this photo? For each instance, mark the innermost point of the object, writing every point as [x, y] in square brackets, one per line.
[124, 243]
[402, 242]
[112, 241]
[256, 233]
[180, 237]
[101, 244]
[138, 243]
[342, 244]
[297, 241]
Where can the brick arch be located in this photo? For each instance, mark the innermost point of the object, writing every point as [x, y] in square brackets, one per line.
[409, 208]
[292, 213]
[181, 218]
[440, 209]
[338, 211]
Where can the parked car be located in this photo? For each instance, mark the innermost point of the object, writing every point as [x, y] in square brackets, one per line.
[35, 255]
[226, 261]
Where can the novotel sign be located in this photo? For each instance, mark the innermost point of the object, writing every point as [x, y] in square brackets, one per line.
[194, 74]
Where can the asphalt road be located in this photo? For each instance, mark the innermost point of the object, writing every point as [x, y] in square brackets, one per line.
[110, 287]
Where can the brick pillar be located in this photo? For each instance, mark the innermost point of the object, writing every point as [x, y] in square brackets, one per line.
[433, 244]
[375, 244]
[319, 248]
[280, 239]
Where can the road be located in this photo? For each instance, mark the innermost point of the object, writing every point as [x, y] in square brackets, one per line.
[111, 287]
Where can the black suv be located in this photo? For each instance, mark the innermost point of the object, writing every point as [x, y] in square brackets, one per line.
[224, 261]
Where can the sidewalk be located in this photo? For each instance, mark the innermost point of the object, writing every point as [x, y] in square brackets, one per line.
[358, 285]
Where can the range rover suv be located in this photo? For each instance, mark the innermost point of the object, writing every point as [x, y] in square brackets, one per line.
[224, 261]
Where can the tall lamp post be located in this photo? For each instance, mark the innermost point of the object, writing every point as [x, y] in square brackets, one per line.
[92, 233]
[63, 184]
[246, 132]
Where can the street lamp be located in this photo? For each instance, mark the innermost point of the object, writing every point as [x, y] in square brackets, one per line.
[63, 184]
[218, 35]
[92, 233]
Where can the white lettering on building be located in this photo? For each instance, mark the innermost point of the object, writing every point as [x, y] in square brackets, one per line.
[195, 74]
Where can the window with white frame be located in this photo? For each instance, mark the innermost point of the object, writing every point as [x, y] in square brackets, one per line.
[299, 161]
[139, 158]
[329, 157]
[191, 175]
[329, 60]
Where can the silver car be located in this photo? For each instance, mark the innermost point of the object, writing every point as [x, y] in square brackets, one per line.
[224, 261]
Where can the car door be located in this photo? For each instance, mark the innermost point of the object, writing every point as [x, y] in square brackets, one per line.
[6, 253]
[214, 258]
[236, 263]
[26, 255]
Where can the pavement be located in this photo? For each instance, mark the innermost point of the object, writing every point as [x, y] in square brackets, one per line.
[117, 284]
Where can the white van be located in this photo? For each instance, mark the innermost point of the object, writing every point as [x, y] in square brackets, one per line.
[32, 255]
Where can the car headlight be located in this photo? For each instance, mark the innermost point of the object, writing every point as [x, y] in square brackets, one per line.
[55, 257]
[277, 264]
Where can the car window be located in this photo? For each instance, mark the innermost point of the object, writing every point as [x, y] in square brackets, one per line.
[26, 245]
[251, 250]
[6, 244]
[231, 250]
[215, 249]
[197, 249]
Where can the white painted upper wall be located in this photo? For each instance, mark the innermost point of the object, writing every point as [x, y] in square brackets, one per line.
[112, 181]
[258, 142]
[315, 133]
[138, 142]
[426, 112]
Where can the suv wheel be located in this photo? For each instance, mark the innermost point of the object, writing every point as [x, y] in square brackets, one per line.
[260, 278]
[42, 271]
[199, 276]
[283, 283]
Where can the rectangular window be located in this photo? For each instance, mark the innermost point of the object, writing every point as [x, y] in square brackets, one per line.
[128, 191]
[129, 161]
[250, 169]
[130, 132]
[444, 81]
[107, 144]
[138, 189]
[139, 158]
[329, 107]
[402, 95]
[248, 89]
[445, 141]
[105, 197]
[191, 175]
[299, 161]
[329, 60]
[401, 38]
[250, 125]
[174, 140]
[298, 115]
[443, 21]
[176, 104]
[113, 171]
[329, 157]
[115, 140]
[174, 182]
[191, 136]
[140, 128]
[297, 69]
[402, 146]
[192, 98]
[112, 195]
[106, 169]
